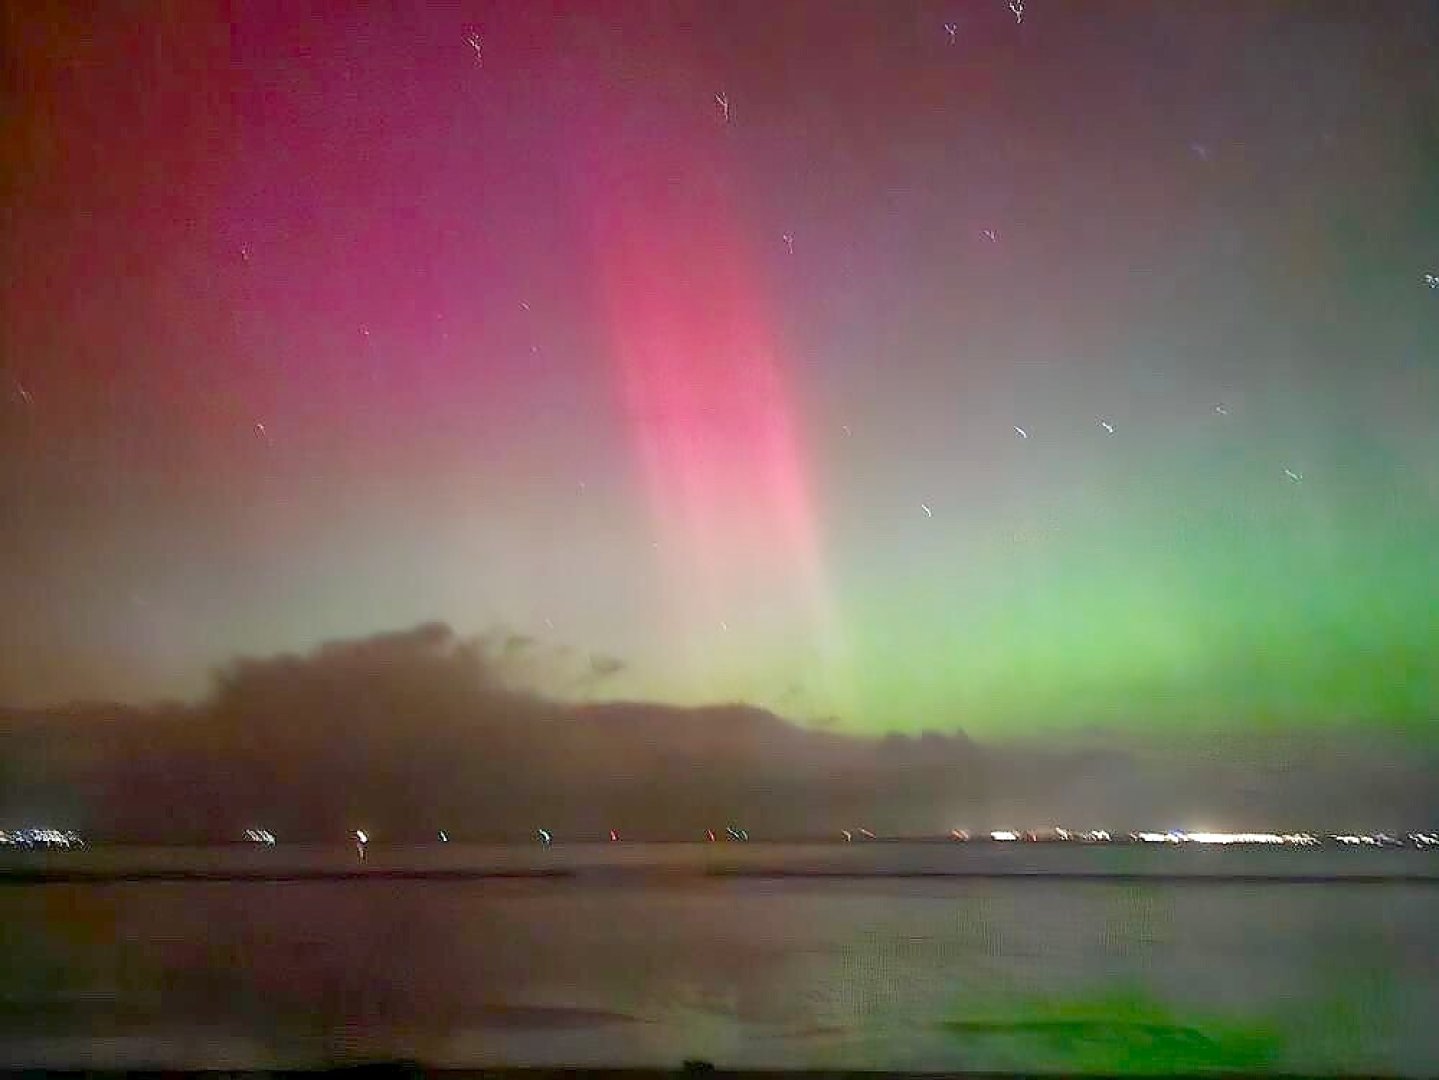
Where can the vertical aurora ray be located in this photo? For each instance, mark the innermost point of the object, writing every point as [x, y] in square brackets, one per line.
[700, 377]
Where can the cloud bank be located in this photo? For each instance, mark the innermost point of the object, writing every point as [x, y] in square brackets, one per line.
[418, 730]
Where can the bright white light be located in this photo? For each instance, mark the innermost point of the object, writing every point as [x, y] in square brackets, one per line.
[42, 837]
[1003, 834]
[1235, 838]
[362, 836]
[1177, 836]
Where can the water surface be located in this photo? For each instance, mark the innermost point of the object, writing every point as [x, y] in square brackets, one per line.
[924, 956]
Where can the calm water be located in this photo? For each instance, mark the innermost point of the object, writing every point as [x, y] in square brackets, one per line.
[638, 955]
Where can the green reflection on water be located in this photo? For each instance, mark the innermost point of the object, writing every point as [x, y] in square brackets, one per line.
[1116, 1033]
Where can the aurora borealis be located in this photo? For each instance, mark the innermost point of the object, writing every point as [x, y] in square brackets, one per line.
[318, 327]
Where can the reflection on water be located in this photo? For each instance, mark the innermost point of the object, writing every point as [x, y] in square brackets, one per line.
[638, 959]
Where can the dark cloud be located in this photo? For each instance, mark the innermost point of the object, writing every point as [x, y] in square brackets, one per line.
[602, 667]
[599, 669]
[420, 729]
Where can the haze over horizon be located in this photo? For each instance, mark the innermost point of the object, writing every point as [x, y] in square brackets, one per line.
[418, 730]
[1066, 372]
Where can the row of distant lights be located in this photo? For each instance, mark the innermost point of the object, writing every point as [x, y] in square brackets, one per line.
[41, 838]
[1291, 839]
[1086, 836]
[62, 838]
[1418, 839]
[1177, 836]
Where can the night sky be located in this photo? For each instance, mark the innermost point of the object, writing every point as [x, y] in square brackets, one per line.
[1052, 369]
